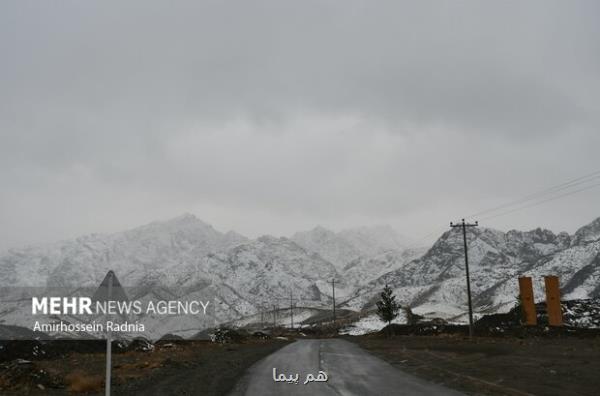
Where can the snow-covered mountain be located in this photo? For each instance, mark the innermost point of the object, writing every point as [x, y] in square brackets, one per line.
[261, 274]
[434, 284]
[364, 269]
[374, 240]
[185, 256]
[349, 245]
[156, 248]
[177, 259]
[328, 245]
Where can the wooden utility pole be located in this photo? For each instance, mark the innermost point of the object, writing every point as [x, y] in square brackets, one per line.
[333, 295]
[291, 310]
[464, 226]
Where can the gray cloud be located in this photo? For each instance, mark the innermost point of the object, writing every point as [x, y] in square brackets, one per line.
[272, 116]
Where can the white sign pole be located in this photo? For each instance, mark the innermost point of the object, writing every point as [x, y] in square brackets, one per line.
[108, 342]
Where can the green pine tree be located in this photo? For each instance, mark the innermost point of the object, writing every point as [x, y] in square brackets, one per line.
[387, 307]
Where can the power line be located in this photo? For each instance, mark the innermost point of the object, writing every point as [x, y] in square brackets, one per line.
[578, 181]
[542, 201]
[539, 194]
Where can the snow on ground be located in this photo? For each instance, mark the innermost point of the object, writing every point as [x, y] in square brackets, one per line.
[299, 317]
[341, 291]
[464, 318]
[433, 310]
[582, 313]
[580, 293]
[370, 324]
[282, 318]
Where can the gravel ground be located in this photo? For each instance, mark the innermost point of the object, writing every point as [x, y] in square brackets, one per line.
[496, 366]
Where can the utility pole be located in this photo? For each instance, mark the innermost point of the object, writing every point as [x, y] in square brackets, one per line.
[291, 310]
[333, 295]
[464, 226]
[274, 317]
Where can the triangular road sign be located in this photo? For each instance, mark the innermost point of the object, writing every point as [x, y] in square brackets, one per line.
[110, 289]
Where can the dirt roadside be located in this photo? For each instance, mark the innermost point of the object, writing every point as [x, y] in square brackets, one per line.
[213, 373]
[185, 368]
[496, 366]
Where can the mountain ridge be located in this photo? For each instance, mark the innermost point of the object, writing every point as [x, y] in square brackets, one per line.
[187, 255]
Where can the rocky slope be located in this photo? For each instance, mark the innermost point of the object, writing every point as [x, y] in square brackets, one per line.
[434, 284]
[176, 259]
[186, 257]
[350, 245]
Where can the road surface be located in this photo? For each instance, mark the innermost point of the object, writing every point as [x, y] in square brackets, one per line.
[350, 371]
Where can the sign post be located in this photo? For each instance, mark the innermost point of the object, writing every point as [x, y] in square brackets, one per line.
[110, 289]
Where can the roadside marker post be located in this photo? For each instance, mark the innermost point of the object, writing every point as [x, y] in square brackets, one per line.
[553, 301]
[527, 300]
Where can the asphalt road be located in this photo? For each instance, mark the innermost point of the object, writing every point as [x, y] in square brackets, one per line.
[350, 371]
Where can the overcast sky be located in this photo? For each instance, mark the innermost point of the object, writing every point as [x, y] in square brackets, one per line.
[276, 116]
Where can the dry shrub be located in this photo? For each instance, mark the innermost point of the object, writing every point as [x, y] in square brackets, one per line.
[79, 381]
[152, 365]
